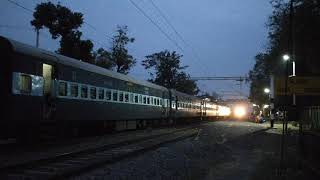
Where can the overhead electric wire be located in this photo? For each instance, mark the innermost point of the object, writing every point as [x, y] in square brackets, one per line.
[156, 24]
[193, 51]
[168, 21]
[17, 4]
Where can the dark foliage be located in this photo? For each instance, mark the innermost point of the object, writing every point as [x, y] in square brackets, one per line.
[304, 40]
[168, 72]
[119, 55]
[64, 23]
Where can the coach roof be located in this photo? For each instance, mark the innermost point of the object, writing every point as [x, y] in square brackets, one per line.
[43, 54]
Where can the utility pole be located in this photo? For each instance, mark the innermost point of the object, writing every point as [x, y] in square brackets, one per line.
[287, 104]
[37, 37]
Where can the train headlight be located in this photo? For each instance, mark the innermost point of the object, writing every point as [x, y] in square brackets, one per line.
[240, 111]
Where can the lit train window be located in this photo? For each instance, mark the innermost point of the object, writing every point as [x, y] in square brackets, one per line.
[63, 88]
[136, 99]
[121, 96]
[93, 93]
[115, 96]
[131, 97]
[84, 91]
[108, 94]
[140, 99]
[144, 100]
[74, 90]
[25, 84]
[126, 97]
[101, 93]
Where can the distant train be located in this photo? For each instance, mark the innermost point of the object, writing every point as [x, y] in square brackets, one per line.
[42, 91]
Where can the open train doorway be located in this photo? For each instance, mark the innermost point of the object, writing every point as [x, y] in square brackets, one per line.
[48, 102]
[47, 77]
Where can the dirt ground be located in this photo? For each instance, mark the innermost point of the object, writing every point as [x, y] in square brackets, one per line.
[222, 150]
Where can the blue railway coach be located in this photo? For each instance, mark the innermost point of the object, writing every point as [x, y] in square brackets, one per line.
[42, 91]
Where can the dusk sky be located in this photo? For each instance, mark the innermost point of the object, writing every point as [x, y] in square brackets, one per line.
[222, 36]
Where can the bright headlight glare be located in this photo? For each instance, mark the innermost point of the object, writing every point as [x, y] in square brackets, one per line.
[239, 111]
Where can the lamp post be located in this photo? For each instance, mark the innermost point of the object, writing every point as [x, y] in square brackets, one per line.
[288, 58]
[268, 91]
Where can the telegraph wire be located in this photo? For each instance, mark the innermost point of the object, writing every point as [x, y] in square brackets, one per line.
[168, 21]
[172, 26]
[21, 6]
[193, 51]
[156, 24]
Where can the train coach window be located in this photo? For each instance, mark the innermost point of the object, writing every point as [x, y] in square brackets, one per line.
[84, 91]
[74, 90]
[155, 101]
[108, 94]
[158, 102]
[136, 99]
[93, 93]
[140, 99]
[126, 97]
[25, 84]
[121, 96]
[131, 97]
[148, 100]
[101, 93]
[144, 100]
[115, 96]
[63, 89]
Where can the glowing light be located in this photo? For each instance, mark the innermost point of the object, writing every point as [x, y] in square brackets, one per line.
[265, 106]
[240, 111]
[267, 90]
[224, 111]
[286, 57]
[254, 105]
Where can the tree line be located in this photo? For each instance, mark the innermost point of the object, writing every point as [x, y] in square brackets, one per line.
[301, 34]
[64, 24]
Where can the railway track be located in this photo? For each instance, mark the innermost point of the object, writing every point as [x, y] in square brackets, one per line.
[71, 163]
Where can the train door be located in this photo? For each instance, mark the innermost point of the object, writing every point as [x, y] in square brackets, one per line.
[202, 111]
[48, 103]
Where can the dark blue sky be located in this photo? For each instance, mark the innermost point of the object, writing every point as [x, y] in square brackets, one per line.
[225, 34]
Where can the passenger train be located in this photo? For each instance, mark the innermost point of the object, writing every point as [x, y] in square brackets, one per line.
[41, 91]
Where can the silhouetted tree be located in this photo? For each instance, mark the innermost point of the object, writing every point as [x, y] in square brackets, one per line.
[214, 96]
[120, 56]
[168, 72]
[306, 36]
[185, 84]
[103, 59]
[64, 23]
